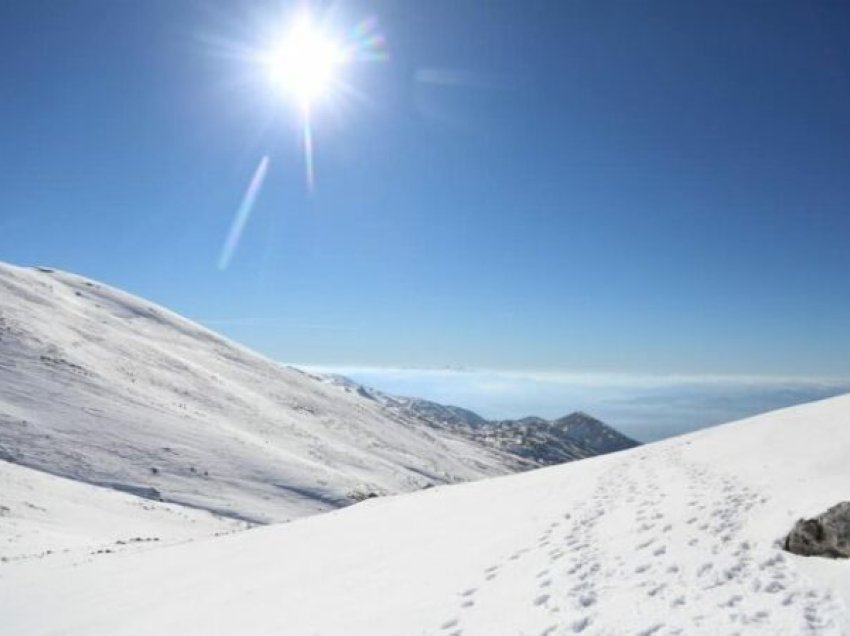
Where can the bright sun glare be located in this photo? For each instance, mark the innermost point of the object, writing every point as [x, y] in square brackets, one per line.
[304, 65]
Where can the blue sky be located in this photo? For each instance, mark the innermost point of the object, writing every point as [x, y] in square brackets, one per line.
[609, 187]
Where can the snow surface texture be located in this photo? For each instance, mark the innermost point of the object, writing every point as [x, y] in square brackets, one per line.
[103, 387]
[677, 537]
[43, 516]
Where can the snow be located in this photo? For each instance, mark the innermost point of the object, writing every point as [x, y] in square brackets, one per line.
[45, 516]
[104, 387]
[676, 537]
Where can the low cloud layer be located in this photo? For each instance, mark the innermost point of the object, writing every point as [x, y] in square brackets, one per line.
[645, 407]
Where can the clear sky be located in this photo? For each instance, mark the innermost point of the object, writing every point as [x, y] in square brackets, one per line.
[632, 187]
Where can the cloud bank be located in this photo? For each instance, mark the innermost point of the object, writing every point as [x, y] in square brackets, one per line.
[645, 407]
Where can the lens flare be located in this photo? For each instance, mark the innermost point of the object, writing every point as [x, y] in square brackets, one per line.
[304, 64]
[310, 169]
[243, 214]
[367, 43]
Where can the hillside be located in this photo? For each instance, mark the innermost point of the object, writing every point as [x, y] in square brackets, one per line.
[677, 537]
[43, 516]
[103, 387]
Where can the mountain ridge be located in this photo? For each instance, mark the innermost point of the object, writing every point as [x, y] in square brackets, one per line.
[576, 435]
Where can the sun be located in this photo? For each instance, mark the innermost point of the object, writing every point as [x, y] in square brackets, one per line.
[305, 63]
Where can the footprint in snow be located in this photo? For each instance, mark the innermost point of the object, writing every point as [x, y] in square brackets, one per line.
[772, 561]
[760, 616]
[733, 601]
[580, 625]
[655, 591]
[586, 600]
[541, 600]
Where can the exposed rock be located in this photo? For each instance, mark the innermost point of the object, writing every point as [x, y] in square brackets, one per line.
[534, 441]
[362, 495]
[826, 535]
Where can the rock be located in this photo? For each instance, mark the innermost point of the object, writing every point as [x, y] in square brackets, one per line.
[362, 495]
[826, 535]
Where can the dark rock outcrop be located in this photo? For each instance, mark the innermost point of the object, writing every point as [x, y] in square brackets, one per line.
[826, 535]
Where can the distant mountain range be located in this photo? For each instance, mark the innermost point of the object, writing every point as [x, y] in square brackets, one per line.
[534, 439]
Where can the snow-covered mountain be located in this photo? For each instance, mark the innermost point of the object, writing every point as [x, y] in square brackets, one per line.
[542, 442]
[547, 442]
[677, 537]
[107, 388]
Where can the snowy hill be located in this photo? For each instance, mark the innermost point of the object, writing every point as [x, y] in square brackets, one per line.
[542, 442]
[43, 515]
[677, 537]
[106, 388]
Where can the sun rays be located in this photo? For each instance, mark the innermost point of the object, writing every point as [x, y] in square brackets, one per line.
[305, 65]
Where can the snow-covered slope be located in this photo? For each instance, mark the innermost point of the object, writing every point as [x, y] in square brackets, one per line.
[45, 516]
[677, 537]
[104, 387]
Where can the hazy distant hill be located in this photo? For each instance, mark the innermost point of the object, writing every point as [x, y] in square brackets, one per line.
[543, 442]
